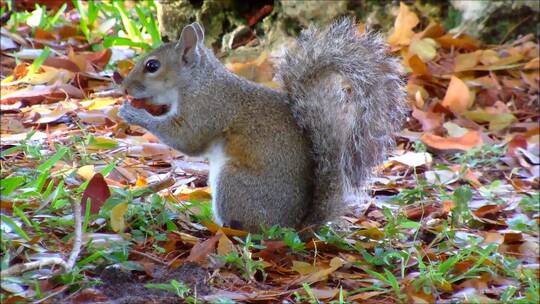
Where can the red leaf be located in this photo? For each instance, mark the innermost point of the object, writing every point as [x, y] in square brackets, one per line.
[519, 141]
[97, 191]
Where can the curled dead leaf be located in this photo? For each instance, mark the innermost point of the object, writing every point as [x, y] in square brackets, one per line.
[458, 96]
[464, 143]
[405, 22]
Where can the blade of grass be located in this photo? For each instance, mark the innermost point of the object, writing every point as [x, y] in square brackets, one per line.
[129, 26]
[52, 21]
[6, 219]
[150, 27]
[83, 18]
[47, 165]
[120, 41]
[34, 67]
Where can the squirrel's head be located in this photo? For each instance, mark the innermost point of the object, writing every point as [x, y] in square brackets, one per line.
[154, 82]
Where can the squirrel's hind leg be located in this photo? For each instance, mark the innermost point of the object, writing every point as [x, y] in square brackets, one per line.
[249, 202]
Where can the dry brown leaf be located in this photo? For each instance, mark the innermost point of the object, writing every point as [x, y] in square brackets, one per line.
[199, 253]
[225, 245]
[464, 143]
[37, 93]
[462, 42]
[429, 120]
[467, 61]
[534, 64]
[322, 274]
[417, 65]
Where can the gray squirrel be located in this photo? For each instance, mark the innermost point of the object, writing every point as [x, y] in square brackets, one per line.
[294, 157]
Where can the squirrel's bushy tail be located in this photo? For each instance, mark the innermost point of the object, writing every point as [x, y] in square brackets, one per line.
[346, 93]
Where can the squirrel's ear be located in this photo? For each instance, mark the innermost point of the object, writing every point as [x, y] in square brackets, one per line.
[200, 32]
[187, 45]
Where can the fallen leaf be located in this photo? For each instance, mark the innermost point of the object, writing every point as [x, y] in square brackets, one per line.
[466, 142]
[97, 191]
[405, 22]
[425, 48]
[497, 121]
[458, 96]
[86, 172]
[304, 268]
[118, 223]
[489, 57]
[518, 141]
[444, 177]
[52, 116]
[199, 195]
[417, 65]
[462, 42]
[155, 151]
[37, 93]
[413, 159]
[199, 253]
[429, 120]
[467, 61]
[454, 130]
[324, 294]
[214, 228]
[364, 295]
[322, 274]
[534, 64]
[225, 245]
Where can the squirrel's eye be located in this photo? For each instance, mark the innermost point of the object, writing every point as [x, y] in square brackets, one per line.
[151, 66]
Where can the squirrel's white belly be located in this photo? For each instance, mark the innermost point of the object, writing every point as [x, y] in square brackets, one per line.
[217, 158]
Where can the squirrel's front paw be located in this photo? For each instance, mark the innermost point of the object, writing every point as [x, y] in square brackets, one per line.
[132, 115]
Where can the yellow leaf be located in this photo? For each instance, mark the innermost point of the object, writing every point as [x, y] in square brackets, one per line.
[118, 223]
[458, 97]
[405, 22]
[86, 172]
[489, 57]
[212, 227]
[424, 48]
[375, 233]
[454, 130]
[100, 103]
[508, 60]
[8, 79]
[303, 268]
[497, 121]
[197, 195]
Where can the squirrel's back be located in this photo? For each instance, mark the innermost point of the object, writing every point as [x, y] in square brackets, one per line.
[346, 92]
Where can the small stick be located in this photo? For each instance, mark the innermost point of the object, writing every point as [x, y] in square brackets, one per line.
[67, 266]
[77, 239]
[23, 267]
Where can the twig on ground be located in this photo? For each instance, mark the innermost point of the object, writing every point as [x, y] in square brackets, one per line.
[23, 267]
[77, 238]
[148, 256]
[67, 266]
